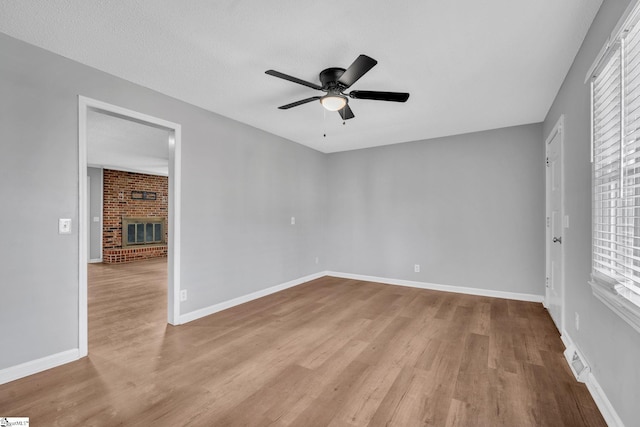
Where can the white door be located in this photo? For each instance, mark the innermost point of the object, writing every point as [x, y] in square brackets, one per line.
[554, 294]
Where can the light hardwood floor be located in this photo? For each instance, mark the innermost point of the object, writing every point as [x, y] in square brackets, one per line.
[332, 352]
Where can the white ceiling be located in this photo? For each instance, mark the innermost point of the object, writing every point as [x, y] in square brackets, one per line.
[469, 65]
[115, 143]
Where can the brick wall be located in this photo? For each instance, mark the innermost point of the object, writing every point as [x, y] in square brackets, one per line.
[118, 203]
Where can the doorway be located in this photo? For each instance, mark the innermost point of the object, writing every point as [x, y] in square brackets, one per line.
[555, 225]
[89, 106]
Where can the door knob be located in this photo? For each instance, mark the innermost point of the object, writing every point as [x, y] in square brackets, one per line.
[557, 240]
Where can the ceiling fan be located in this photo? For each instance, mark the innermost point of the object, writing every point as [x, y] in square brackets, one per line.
[334, 81]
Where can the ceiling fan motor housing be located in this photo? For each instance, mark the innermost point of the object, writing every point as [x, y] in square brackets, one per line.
[329, 78]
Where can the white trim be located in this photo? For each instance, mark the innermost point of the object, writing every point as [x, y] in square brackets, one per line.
[557, 128]
[206, 311]
[125, 169]
[445, 288]
[175, 215]
[174, 143]
[625, 20]
[566, 340]
[599, 58]
[88, 213]
[602, 402]
[597, 393]
[34, 366]
[83, 321]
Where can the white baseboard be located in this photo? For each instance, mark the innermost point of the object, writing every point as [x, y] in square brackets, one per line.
[606, 409]
[197, 314]
[445, 288]
[34, 366]
[94, 261]
[602, 402]
[566, 340]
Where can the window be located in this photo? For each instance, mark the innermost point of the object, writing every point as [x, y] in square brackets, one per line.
[615, 103]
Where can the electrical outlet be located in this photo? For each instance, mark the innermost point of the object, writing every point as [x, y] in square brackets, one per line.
[293, 220]
[317, 260]
[416, 268]
[183, 295]
[577, 321]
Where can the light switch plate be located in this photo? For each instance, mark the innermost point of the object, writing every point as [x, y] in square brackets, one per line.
[64, 226]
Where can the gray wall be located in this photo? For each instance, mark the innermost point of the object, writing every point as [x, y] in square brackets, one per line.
[610, 345]
[95, 210]
[469, 209]
[240, 187]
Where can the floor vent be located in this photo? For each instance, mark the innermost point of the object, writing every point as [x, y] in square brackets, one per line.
[577, 364]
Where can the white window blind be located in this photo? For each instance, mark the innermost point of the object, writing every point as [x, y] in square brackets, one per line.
[631, 161]
[616, 169]
[606, 174]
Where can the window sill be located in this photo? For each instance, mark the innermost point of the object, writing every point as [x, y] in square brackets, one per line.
[614, 297]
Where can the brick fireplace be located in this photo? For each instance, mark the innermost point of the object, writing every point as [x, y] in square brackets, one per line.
[142, 200]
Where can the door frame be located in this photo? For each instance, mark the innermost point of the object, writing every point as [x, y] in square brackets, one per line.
[85, 105]
[558, 129]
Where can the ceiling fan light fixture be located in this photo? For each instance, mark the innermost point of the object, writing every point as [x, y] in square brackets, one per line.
[334, 81]
[333, 102]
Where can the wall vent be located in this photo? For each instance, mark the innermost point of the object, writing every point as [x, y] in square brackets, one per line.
[577, 363]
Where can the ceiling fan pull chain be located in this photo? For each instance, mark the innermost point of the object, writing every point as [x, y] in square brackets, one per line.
[324, 123]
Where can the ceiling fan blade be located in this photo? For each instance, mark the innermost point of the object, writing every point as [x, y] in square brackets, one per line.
[295, 104]
[293, 79]
[379, 96]
[359, 68]
[346, 113]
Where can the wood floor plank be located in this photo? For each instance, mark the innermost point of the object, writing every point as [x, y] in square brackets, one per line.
[472, 380]
[336, 352]
[460, 414]
[411, 407]
[332, 397]
[367, 395]
[510, 401]
[385, 412]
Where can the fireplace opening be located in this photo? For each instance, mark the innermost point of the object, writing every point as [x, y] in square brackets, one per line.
[146, 231]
